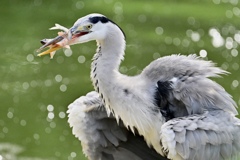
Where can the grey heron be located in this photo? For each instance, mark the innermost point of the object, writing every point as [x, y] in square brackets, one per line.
[173, 103]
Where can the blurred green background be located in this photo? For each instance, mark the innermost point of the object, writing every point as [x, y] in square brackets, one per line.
[35, 91]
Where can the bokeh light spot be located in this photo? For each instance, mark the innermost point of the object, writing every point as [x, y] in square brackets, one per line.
[62, 138]
[36, 136]
[48, 82]
[80, 4]
[5, 130]
[234, 52]
[48, 130]
[217, 39]
[176, 41]
[30, 57]
[37, 2]
[235, 66]
[68, 52]
[123, 69]
[73, 154]
[203, 53]
[168, 40]
[66, 81]
[10, 115]
[142, 18]
[23, 122]
[50, 115]
[46, 59]
[216, 1]
[50, 108]
[81, 59]
[52, 124]
[159, 30]
[58, 78]
[62, 115]
[16, 99]
[235, 83]
[58, 154]
[118, 8]
[25, 85]
[229, 43]
[191, 20]
[60, 59]
[185, 42]
[195, 36]
[33, 83]
[63, 88]
[237, 37]
[225, 66]
[229, 14]
[156, 55]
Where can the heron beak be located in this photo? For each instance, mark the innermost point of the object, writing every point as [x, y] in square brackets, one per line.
[50, 51]
[52, 44]
[75, 32]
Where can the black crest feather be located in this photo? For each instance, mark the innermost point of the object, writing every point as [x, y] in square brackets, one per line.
[95, 20]
[103, 19]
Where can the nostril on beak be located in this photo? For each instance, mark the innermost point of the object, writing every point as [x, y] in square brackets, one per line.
[73, 29]
[70, 33]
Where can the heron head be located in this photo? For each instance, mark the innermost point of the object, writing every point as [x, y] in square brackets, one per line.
[88, 28]
[91, 27]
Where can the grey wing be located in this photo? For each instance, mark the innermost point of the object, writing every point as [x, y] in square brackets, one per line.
[101, 137]
[199, 112]
[184, 82]
[213, 135]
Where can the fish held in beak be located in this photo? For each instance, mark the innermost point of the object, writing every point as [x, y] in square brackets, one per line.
[61, 41]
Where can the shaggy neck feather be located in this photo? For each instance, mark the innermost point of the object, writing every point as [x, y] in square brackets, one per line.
[105, 66]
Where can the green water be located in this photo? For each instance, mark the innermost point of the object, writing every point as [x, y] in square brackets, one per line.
[35, 92]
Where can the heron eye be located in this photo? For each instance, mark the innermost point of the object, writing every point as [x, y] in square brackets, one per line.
[89, 26]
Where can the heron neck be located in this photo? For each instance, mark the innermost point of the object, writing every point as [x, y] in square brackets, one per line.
[105, 66]
[110, 53]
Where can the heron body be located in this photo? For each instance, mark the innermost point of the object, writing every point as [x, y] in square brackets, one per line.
[102, 138]
[173, 104]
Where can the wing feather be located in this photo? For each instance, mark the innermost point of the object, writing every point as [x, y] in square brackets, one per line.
[226, 150]
[191, 86]
[221, 141]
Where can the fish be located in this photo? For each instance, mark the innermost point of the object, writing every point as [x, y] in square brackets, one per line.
[61, 41]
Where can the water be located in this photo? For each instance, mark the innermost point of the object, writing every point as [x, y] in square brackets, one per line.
[35, 92]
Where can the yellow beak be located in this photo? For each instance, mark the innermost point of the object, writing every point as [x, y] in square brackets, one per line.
[50, 50]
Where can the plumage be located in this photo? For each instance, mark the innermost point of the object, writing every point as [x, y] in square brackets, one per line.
[172, 103]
